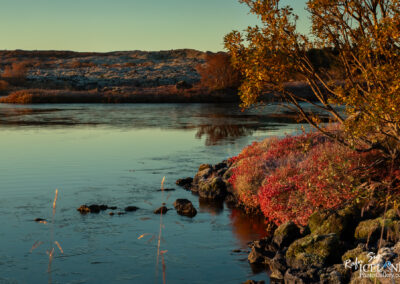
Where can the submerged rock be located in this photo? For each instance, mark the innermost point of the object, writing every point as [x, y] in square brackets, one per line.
[94, 208]
[262, 252]
[186, 183]
[166, 189]
[131, 208]
[161, 210]
[185, 207]
[40, 220]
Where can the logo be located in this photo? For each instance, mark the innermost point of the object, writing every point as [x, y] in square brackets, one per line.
[374, 267]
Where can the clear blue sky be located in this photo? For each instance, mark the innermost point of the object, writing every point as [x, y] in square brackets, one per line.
[109, 25]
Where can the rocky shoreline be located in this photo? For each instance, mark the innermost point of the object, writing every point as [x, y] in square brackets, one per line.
[350, 245]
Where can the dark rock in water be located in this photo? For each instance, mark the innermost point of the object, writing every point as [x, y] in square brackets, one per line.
[121, 213]
[103, 207]
[231, 201]
[254, 282]
[113, 208]
[314, 251]
[182, 85]
[185, 207]
[111, 213]
[186, 183]
[205, 171]
[131, 208]
[262, 251]
[83, 209]
[94, 208]
[40, 220]
[285, 234]
[278, 266]
[213, 189]
[166, 189]
[161, 210]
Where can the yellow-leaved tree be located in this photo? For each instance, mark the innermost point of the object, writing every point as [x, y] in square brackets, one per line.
[364, 35]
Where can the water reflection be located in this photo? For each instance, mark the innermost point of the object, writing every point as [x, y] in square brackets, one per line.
[217, 123]
[247, 228]
[213, 207]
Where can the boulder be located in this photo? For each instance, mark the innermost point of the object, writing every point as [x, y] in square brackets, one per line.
[314, 250]
[186, 183]
[341, 223]
[278, 266]
[185, 208]
[161, 210]
[370, 230]
[131, 208]
[212, 189]
[285, 234]
[262, 252]
[94, 208]
[360, 253]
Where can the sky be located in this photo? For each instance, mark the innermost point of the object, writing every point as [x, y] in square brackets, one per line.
[111, 25]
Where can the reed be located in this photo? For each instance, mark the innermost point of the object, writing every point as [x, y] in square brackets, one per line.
[52, 249]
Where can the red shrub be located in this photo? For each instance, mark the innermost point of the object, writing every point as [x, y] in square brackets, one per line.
[290, 178]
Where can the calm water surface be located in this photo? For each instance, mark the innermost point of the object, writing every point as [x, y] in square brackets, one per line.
[118, 155]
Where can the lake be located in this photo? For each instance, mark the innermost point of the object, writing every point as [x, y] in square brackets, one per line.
[118, 155]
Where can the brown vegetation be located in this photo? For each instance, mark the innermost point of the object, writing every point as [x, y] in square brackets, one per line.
[163, 94]
[217, 72]
[3, 85]
[15, 73]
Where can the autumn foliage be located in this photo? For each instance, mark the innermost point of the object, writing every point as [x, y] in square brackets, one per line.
[290, 178]
[217, 73]
[15, 73]
[363, 40]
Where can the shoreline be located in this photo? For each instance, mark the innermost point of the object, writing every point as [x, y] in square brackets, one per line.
[329, 249]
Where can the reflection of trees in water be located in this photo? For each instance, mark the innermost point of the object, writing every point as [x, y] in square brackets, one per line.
[217, 133]
[246, 227]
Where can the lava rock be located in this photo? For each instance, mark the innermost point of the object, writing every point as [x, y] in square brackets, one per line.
[131, 208]
[285, 234]
[185, 207]
[213, 189]
[186, 183]
[94, 208]
[166, 189]
[161, 210]
[314, 250]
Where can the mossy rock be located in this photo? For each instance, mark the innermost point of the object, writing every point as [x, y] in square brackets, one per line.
[392, 214]
[213, 189]
[314, 250]
[341, 223]
[285, 234]
[360, 253]
[371, 230]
